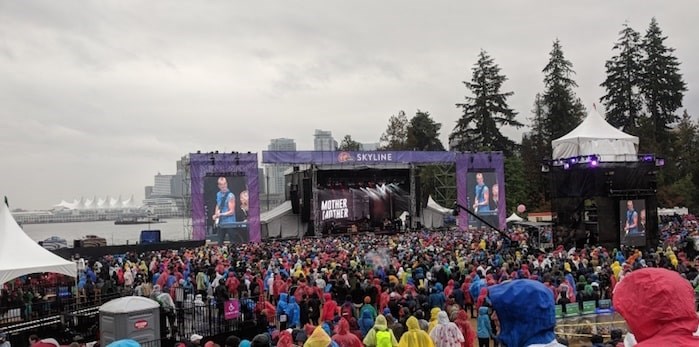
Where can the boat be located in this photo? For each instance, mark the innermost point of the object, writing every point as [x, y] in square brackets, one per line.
[54, 242]
[129, 220]
[93, 241]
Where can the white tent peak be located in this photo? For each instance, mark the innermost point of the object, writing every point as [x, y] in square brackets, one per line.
[514, 218]
[20, 255]
[594, 136]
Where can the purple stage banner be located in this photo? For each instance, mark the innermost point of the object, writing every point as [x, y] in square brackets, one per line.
[236, 171]
[480, 187]
[356, 158]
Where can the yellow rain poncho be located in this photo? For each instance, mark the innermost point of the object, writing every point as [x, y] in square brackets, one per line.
[379, 325]
[433, 318]
[319, 338]
[415, 337]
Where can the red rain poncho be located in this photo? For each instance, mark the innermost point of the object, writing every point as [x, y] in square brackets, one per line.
[658, 306]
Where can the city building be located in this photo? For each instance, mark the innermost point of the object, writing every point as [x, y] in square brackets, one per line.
[324, 141]
[163, 185]
[274, 179]
[371, 146]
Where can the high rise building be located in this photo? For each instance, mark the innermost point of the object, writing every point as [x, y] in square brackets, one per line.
[324, 141]
[275, 173]
[262, 181]
[163, 185]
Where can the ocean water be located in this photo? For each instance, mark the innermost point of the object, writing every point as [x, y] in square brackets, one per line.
[172, 230]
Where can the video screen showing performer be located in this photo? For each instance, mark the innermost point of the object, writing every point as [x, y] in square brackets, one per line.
[227, 205]
[633, 222]
[484, 197]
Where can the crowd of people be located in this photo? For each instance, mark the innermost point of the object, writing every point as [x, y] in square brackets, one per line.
[411, 289]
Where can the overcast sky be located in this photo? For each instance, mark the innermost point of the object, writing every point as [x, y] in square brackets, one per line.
[98, 96]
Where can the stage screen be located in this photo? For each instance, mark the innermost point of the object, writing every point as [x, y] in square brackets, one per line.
[483, 196]
[229, 183]
[367, 207]
[632, 222]
[227, 206]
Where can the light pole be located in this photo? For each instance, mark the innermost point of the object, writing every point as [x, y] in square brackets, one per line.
[267, 189]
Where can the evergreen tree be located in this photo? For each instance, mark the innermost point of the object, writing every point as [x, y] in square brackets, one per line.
[685, 143]
[622, 100]
[348, 144]
[516, 182]
[396, 135]
[533, 151]
[661, 85]
[423, 133]
[564, 111]
[485, 112]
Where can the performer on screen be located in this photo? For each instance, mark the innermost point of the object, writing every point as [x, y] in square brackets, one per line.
[482, 199]
[224, 214]
[494, 205]
[631, 227]
[244, 203]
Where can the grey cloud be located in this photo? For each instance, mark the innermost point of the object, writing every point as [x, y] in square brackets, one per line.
[107, 93]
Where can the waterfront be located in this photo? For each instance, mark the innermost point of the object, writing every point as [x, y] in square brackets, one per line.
[174, 229]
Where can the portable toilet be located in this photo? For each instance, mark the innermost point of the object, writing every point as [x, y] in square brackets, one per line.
[132, 317]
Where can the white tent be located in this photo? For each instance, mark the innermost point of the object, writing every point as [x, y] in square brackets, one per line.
[433, 214]
[281, 222]
[20, 255]
[514, 218]
[594, 136]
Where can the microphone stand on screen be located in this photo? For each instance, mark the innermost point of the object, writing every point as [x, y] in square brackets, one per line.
[456, 212]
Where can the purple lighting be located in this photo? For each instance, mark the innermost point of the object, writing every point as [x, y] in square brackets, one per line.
[566, 166]
[594, 163]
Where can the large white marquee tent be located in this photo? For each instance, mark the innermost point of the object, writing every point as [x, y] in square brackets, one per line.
[594, 136]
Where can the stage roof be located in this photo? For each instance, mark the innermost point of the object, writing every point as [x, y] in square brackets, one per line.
[358, 166]
[358, 158]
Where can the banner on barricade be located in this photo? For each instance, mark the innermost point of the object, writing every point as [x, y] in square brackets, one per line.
[231, 309]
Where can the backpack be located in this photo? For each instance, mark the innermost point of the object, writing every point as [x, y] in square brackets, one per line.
[383, 338]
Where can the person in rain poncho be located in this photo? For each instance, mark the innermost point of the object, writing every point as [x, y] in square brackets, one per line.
[319, 338]
[366, 322]
[434, 313]
[294, 313]
[370, 340]
[285, 339]
[659, 308]
[344, 338]
[437, 298]
[446, 333]
[329, 308]
[124, 343]
[463, 322]
[415, 337]
[368, 307]
[526, 312]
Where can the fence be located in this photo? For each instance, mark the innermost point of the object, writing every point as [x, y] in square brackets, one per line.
[67, 315]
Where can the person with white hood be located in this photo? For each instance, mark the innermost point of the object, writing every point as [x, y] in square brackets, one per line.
[446, 333]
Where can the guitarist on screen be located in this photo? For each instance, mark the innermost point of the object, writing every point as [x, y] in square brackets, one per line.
[224, 215]
[482, 199]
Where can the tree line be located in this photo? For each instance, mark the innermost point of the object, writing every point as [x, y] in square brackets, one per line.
[644, 91]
